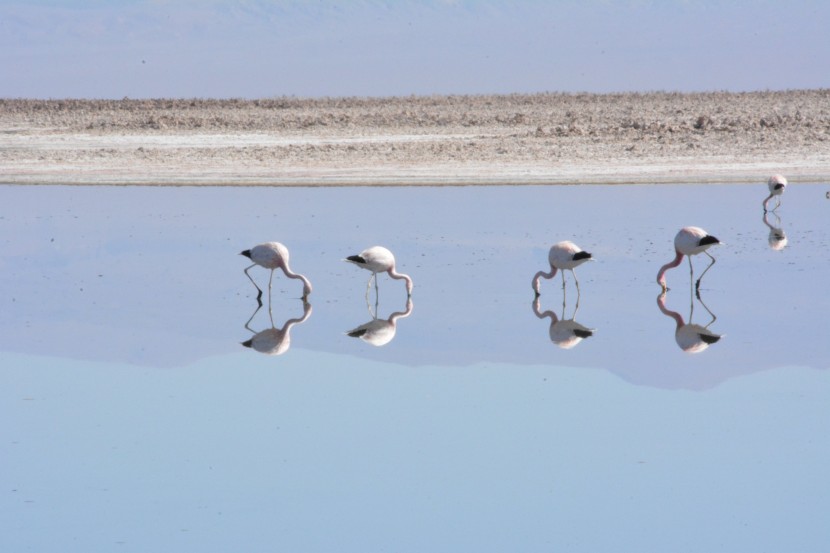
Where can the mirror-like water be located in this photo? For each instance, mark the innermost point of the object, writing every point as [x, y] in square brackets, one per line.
[472, 417]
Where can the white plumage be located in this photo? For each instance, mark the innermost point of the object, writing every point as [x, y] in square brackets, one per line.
[689, 241]
[378, 259]
[562, 256]
[776, 184]
[273, 255]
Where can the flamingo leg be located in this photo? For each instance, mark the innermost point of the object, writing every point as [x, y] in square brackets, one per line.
[259, 296]
[270, 280]
[576, 280]
[368, 287]
[563, 278]
[697, 285]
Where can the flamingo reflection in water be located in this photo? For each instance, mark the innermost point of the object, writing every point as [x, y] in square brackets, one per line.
[379, 332]
[274, 341]
[565, 333]
[690, 337]
[777, 238]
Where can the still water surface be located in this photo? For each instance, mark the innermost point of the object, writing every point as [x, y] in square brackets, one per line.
[136, 420]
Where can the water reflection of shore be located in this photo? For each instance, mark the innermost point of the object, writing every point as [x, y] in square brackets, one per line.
[690, 337]
[274, 341]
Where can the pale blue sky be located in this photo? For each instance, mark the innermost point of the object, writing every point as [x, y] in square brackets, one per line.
[256, 48]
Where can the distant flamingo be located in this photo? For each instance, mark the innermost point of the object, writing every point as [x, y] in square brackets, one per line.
[777, 184]
[689, 241]
[562, 256]
[379, 332]
[378, 259]
[273, 255]
[690, 337]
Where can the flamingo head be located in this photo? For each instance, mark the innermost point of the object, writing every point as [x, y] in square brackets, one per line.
[777, 184]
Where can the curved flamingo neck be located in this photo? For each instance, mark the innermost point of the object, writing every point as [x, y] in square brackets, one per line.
[661, 276]
[661, 303]
[767, 200]
[400, 276]
[291, 274]
[542, 274]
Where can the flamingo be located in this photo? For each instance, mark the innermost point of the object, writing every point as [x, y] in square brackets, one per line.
[273, 255]
[690, 337]
[378, 259]
[379, 332]
[777, 184]
[562, 255]
[689, 241]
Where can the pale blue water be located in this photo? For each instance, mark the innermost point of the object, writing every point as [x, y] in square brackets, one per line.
[135, 420]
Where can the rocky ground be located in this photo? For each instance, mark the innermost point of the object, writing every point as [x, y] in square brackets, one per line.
[512, 139]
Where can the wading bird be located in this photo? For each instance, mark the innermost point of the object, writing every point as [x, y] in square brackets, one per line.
[562, 256]
[273, 255]
[689, 241]
[378, 259]
[777, 184]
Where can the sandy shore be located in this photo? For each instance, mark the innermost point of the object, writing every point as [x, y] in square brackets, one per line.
[514, 139]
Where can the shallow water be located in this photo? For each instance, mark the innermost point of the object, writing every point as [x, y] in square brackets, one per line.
[135, 417]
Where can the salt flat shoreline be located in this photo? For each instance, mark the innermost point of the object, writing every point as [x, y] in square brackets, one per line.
[438, 140]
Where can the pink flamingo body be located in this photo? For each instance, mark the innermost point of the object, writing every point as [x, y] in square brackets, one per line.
[689, 241]
[562, 256]
[777, 184]
[273, 255]
[378, 259]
